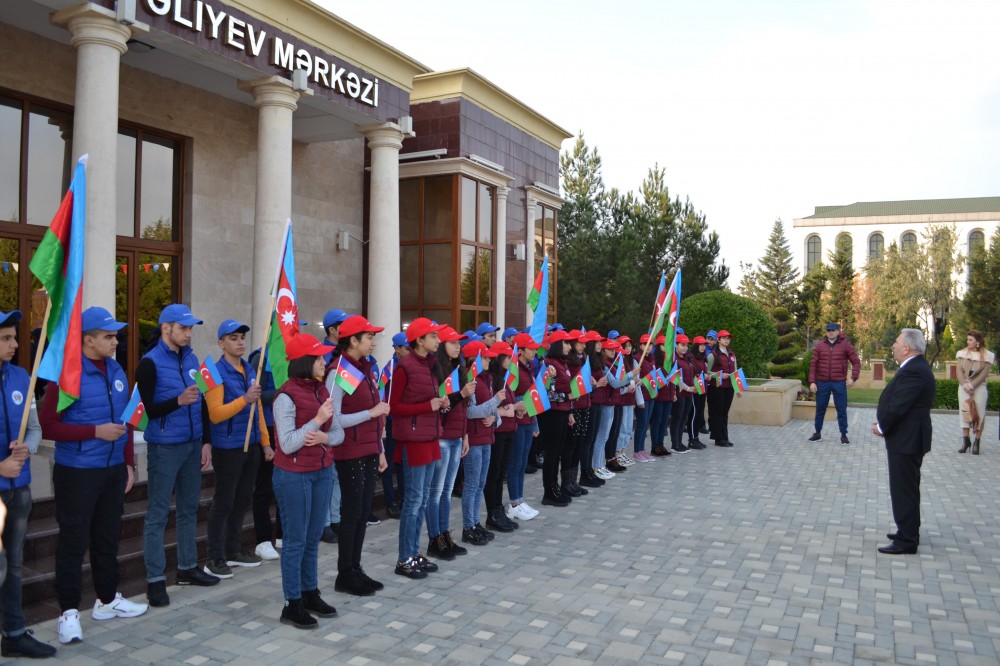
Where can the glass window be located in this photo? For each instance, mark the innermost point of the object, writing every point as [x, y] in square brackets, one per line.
[409, 268]
[977, 241]
[437, 274]
[409, 211]
[485, 275]
[156, 214]
[485, 214]
[10, 256]
[468, 275]
[468, 209]
[876, 246]
[846, 244]
[908, 241]
[10, 159]
[814, 252]
[125, 184]
[438, 208]
[467, 320]
[440, 316]
[49, 144]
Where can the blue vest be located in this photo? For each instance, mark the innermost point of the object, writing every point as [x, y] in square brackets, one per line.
[231, 433]
[174, 373]
[14, 385]
[103, 398]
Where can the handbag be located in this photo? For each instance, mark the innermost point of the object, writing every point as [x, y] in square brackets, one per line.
[973, 411]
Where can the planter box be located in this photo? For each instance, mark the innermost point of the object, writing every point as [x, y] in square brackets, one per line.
[767, 404]
[806, 410]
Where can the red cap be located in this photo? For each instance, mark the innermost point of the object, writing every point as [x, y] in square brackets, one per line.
[591, 336]
[501, 348]
[608, 343]
[448, 334]
[660, 339]
[525, 341]
[644, 338]
[476, 347]
[557, 336]
[682, 339]
[420, 327]
[575, 335]
[622, 339]
[357, 324]
[725, 334]
[304, 344]
[700, 340]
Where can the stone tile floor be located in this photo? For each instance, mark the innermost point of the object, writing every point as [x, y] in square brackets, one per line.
[760, 554]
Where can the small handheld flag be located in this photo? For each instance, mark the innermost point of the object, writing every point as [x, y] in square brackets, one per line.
[536, 400]
[348, 377]
[618, 368]
[476, 368]
[451, 384]
[674, 376]
[510, 380]
[659, 378]
[650, 382]
[135, 411]
[581, 384]
[208, 376]
[718, 377]
[699, 384]
[739, 381]
[384, 379]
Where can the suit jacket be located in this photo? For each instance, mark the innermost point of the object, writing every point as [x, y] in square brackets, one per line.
[904, 408]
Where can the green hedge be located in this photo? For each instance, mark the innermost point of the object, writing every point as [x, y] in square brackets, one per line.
[947, 395]
[755, 340]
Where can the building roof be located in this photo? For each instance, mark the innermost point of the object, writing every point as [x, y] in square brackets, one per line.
[910, 207]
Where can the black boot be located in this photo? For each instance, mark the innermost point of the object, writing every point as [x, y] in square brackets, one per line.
[314, 603]
[295, 614]
[567, 485]
[975, 447]
[350, 582]
[498, 520]
[966, 444]
[439, 548]
[588, 479]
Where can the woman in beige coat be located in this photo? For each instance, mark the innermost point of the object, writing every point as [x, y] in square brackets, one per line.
[974, 363]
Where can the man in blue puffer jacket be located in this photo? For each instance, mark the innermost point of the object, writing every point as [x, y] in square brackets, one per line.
[174, 455]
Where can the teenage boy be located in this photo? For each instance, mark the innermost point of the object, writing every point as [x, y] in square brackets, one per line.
[93, 470]
[174, 454]
[488, 333]
[15, 493]
[229, 408]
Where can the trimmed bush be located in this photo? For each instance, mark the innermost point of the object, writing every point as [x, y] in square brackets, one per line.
[784, 363]
[754, 339]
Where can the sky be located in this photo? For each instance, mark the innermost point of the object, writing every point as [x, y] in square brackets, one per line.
[756, 110]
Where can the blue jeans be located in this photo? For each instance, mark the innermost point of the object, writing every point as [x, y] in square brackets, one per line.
[171, 468]
[416, 492]
[442, 483]
[642, 425]
[607, 417]
[333, 511]
[18, 503]
[823, 391]
[625, 433]
[658, 421]
[477, 465]
[517, 461]
[303, 498]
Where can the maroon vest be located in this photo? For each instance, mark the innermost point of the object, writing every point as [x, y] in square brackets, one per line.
[363, 439]
[524, 382]
[560, 383]
[614, 394]
[454, 424]
[480, 434]
[725, 362]
[307, 395]
[583, 402]
[599, 396]
[420, 387]
[508, 424]
[645, 369]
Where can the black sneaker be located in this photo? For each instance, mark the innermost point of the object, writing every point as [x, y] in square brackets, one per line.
[844, 440]
[411, 569]
[549, 499]
[474, 537]
[704, 431]
[494, 521]
[373, 519]
[484, 532]
[219, 569]
[678, 448]
[425, 564]
[196, 576]
[438, 547]
[815, 437]
[156, 594]
[454, 547]
[243, 559]
[696, 444]
[372, 583]
[330, 533]
[393, 511]
[350, 582]
[530, 469]
[26, 645]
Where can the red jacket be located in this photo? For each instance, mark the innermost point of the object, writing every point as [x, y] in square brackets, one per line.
[829, 361]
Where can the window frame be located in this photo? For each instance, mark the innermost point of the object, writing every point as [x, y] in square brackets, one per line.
[811, 260]
[881, 245]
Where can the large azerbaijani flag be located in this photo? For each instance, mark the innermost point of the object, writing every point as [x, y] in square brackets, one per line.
[538, 302]
[659, 307]
[581, 383]
[58, 265]
[673, 311]
[285, 318]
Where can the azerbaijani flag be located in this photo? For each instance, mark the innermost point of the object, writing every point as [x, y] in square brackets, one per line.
[208, 376]
[451, 384]
[659, 377]
[58, 265]
[135, 411]
[538, 302]
[659, 307]
[651, 384]
[581, 384]
[348, 377]
[674, 376]
[511, 379]
[544, 373]
[718, 377]
[673, 310]
[536, 400]
[699, 384]
[739, 381]
[285, 318]
[618, 368]
[384, 379]
[476, 368]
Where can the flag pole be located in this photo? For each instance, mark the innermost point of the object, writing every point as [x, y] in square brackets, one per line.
[267, 332]
[34, 370]
[651, 341]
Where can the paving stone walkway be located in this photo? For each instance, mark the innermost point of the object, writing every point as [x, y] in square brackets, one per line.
[760, 554]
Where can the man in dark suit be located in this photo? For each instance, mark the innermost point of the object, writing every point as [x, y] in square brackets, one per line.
[904, 419]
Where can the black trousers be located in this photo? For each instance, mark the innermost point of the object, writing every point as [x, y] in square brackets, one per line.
[904, 492]
[577, 445]
[698, 419]
[616, 428]
[680, 418]
[263, 498]
[720, 399]
[388, 493]
[587, 452]
[554, 426]
[89, 505]
[497, 473]
[235, 475]
[357, 488]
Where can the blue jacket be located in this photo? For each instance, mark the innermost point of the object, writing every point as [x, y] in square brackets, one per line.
[174, 373]
[231, 433]
[103, 398]
[14, 385]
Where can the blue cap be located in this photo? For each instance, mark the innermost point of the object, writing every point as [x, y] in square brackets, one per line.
[10, 318]
[833, 326]
[231, 326]
[509, 332]
[178, 313]
[556, 327]
[613, 334]
[680, 331]
[399, 340]
[334, 317]
[712, 334]
[486, 327]
[470, 335]
[97, 319]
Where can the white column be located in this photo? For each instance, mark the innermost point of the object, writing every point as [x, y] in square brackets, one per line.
[529, 252]
[500, 257]
[275, 100]
[384, 141]
[100, 43]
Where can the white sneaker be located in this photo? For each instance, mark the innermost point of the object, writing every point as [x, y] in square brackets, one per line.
[266, 551]
[604, 473]
[531, 511]
[518, 513]
[277, 544]
[69, 627]
[624, 460]
[119, 607]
